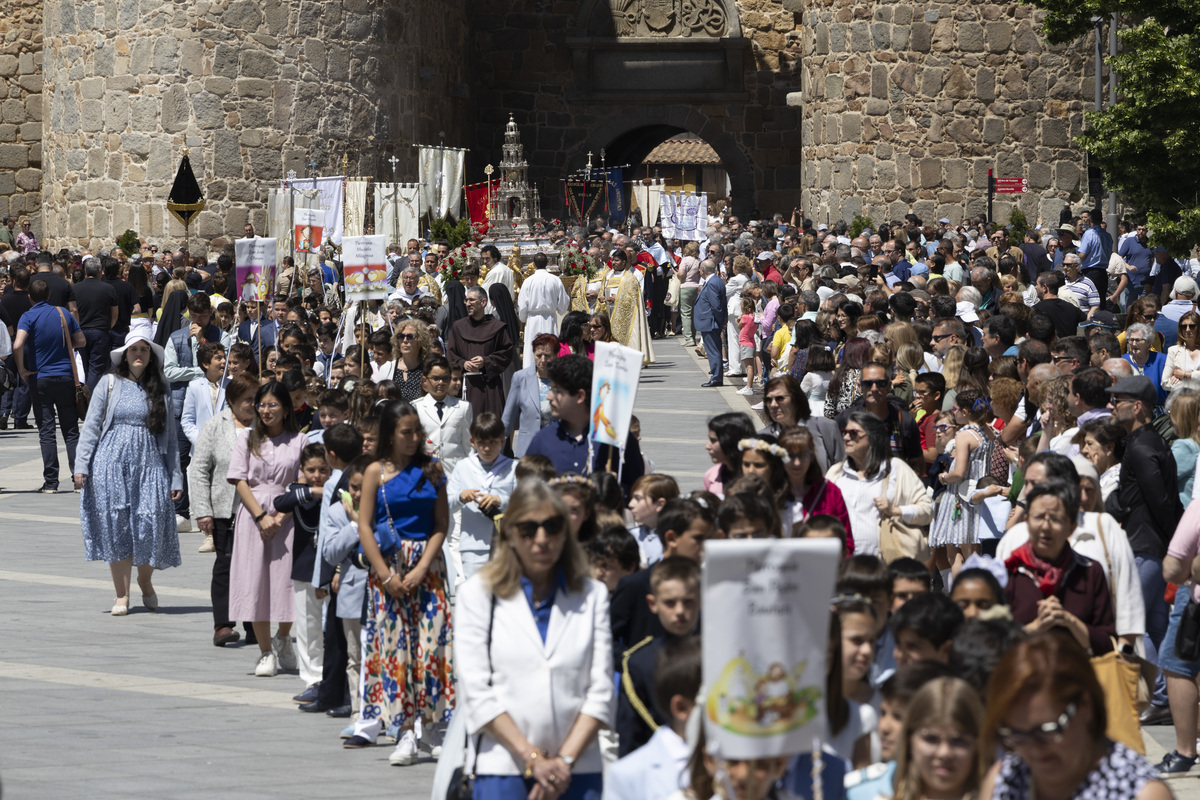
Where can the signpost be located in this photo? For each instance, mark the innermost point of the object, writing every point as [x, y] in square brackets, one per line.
[1004, 186]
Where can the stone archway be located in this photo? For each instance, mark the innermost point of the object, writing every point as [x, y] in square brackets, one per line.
[627, 138]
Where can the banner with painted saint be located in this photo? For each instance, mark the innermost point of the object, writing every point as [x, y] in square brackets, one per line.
[254, 268]
[615, 375]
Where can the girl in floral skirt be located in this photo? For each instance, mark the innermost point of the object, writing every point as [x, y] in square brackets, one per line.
[407, 665]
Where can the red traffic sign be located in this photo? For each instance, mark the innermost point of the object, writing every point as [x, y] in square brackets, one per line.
[1012, 190]
[1010, 185]
[1012, 181]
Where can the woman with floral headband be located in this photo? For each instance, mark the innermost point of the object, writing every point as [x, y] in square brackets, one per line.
[762, 456]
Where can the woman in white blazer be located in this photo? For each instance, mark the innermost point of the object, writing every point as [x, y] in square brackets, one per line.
[535, 658]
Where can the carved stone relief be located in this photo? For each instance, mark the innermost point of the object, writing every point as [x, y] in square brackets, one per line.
[669, 18]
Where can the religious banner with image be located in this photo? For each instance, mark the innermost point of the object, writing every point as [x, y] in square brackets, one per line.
[310, 225]
[766, 632]
[254, 269]
[615, 375]
[364, 260]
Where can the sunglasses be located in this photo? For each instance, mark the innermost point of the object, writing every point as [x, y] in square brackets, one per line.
[803, 455]
[1046, 734]
[873, 384]
[527, 530]
[944, 428]
[775, 399]
[937, 337]
[852, 435]
[1187, 327]
[406, 337]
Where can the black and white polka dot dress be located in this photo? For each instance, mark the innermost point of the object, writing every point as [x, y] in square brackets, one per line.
[1120, 775]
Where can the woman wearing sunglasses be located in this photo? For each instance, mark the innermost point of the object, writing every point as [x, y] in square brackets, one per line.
[1182, 370]
[1046, 709]
[534, 652]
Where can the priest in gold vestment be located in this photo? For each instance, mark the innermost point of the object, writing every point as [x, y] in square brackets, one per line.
[621, 291]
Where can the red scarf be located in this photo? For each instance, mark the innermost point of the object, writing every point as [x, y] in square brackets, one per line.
[1048, 574]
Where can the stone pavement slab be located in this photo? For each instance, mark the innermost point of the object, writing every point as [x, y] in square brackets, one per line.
[144, 706]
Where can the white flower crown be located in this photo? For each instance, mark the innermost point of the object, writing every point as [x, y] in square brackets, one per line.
[762, 446]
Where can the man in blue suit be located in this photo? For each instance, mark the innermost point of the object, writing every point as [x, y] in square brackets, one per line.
[710, 316]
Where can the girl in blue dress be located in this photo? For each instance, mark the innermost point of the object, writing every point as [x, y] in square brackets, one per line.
[408, 672]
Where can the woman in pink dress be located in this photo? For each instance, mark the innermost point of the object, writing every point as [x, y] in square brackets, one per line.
[266, 458]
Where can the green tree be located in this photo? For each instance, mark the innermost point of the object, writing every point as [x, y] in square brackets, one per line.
[455, 232]
[1017, 225]
[860, 224]
[1146, 143]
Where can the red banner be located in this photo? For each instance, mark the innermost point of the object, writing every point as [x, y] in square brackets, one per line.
[477, 205]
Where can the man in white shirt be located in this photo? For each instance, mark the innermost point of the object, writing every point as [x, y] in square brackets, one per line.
[543, 300]
[497, 271]
[409, 291]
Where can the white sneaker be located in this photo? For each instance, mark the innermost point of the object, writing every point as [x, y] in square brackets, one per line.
[745, 391]
[405, 754]
[756, 407]
[284, 651]
[208, 546]
[182, 524]
[266, 666]
[432, 737]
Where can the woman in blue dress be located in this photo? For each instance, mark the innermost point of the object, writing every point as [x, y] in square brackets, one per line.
[408, 671]
[128, 470]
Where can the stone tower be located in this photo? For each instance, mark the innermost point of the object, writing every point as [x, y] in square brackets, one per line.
[253, 88]
[908, 104]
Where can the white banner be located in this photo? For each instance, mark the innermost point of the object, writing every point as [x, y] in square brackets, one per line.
[331, 201]
[281, 206]
[615, 376]
[684, 216]
[670, 214]
[356, 207]
[766, 631]
[397, 212]
[440, 171]
[254, 270]
[309, 226]
[364, 259]
[647, 198]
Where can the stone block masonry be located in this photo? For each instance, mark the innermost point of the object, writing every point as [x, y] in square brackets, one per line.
[254, 89]
[916, 124]
[21, 110]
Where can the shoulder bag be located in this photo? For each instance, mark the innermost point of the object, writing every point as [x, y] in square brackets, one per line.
[1122, 679]
[388, 541]
[462, 782]
[897, 538]
[83, 395]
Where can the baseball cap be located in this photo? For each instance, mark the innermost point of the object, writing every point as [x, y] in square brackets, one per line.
[766, 255]
[944, 221]
[1102, 319]
[822, 227]
[1138, 387]
[965, 311]
[850, 281]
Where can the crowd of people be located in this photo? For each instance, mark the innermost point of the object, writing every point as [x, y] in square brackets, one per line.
[403, 504]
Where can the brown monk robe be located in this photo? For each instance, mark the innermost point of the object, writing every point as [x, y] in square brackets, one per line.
[479, 344]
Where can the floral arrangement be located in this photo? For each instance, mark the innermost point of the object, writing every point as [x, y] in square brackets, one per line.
[573, 261]
[452, 266]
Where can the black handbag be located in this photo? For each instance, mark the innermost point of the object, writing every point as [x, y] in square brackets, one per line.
[462, 782]
[1187, 638]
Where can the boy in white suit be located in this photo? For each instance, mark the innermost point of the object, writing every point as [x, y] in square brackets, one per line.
[658, 769]
[446, 419]
[205, 396]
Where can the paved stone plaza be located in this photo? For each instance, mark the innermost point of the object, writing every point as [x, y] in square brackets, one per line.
[145, 707]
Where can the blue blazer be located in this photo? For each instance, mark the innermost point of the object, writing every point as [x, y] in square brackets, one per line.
[1154, 371]
[267, 327]
[709, 313]
[523, 410]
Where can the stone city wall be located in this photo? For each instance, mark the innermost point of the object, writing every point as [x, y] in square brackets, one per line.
[254, 89]
[907, 105]
[21, 110]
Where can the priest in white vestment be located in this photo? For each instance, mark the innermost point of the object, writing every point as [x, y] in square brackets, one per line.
[497, 271]
[543, 300]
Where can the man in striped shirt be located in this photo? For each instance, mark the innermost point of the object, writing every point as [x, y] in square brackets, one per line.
[1084, 289]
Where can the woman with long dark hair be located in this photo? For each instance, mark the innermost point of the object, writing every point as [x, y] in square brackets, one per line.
[265, 460]
[128, 469]
[805, 334]
[574, 335]
[843, 386]
[408, 669]
[808, 493]
[787, 407]
[724, 433]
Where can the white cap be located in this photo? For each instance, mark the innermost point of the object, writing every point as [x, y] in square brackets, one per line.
[1186, 286]
[965, 311]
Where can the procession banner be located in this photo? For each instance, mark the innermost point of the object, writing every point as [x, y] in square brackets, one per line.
[583, 199]
[364, 260]
[332, 199]
[397, 211]
[670, 214]
[614, 389]
[254, 268]
[766, 630]
[615, 186]
[479, 205]
[309, 226]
